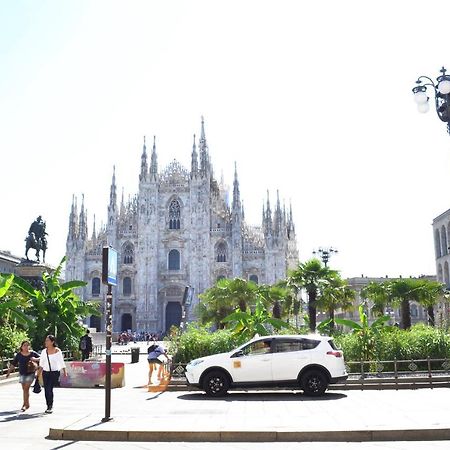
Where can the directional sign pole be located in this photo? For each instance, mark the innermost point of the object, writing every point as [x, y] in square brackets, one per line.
[109, 277]
[108, 355]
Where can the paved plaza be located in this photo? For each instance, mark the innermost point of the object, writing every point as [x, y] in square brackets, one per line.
[136, 409]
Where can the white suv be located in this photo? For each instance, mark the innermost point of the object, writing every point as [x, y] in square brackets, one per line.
[308, 362]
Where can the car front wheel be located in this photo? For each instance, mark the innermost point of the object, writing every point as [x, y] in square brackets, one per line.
[314, 383]
[216, 384]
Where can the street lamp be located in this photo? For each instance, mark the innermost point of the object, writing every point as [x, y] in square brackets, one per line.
[441, 90]
[325, 253]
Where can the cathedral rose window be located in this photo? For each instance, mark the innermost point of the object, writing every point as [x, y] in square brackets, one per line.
[174, 215]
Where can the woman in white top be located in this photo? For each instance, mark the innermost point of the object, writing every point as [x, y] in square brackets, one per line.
[51, 363]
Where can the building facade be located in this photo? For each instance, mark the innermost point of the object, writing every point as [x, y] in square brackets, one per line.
[179, 230]
[441, 234]
[8, 262]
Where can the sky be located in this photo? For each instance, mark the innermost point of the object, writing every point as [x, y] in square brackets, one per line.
[311, 98]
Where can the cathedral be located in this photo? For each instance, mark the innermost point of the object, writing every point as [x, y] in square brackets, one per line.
[182, 229]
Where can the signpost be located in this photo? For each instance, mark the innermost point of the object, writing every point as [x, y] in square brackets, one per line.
[109, 277]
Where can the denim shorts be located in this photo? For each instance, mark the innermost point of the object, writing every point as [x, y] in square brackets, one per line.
[26, 379]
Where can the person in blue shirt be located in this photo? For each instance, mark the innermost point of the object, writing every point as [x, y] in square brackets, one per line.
[157, 356]
[26, 359]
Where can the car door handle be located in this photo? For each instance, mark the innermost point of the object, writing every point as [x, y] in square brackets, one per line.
[265, 360]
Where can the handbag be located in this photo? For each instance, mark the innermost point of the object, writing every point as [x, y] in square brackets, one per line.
[31, 367]
[57, 382]
[37, 387]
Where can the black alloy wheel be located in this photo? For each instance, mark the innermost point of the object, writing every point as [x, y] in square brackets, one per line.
[314, 383]
[216, 384]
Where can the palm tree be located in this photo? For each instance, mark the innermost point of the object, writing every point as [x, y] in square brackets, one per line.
[275, 297]
[379, 294]
[220, 300]
[311, 276]
[336, 294]
[429, 294]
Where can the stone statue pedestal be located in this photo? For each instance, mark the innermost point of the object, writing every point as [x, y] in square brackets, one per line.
[32, 271]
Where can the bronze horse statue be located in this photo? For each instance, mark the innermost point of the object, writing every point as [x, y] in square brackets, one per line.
[36, 239]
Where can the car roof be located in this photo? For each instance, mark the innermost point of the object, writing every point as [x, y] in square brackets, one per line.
[317, 337]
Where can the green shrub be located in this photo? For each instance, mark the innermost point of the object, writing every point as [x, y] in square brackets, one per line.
[419, 342]
[198, 341]
[10, 341]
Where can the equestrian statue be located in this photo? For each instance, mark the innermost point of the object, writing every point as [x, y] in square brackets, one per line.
[36, 239]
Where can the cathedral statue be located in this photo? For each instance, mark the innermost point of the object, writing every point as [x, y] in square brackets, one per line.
[36, 239]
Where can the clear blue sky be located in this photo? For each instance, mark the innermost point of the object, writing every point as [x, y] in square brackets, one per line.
[312, 98]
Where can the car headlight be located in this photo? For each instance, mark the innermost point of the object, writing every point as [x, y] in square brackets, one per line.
[196, 362]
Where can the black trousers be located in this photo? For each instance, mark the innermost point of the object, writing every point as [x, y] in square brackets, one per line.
[50, 381]
[85, 354]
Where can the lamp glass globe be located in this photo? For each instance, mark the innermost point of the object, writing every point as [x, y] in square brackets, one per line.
[420, 97]
[444, 87]
[423, 107]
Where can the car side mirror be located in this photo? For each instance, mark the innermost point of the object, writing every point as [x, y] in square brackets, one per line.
[238, 354]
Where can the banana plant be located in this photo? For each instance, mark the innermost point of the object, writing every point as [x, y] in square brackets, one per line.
[367, 333]
[56, 309]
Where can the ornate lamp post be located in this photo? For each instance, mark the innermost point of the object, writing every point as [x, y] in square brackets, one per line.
[441, 91]
[325, 254]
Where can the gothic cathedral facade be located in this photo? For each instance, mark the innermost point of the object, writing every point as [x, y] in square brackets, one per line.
[179, 230]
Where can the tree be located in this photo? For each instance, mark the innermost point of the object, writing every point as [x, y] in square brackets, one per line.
[274, 297]
[220, 300]
[311, 276]
[401, 292]
[429, 295]
[56, 309]
[248, 324]
[336, 294]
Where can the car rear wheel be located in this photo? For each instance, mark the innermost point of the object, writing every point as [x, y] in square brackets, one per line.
[216, 384]
[314, 383]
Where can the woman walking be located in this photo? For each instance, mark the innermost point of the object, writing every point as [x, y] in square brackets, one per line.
[27, 361]
[50, 364]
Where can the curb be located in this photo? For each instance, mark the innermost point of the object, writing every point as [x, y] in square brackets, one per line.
[429, 434]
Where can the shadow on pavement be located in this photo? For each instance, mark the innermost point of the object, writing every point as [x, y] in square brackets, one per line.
[8, 413]
[266, 396]
[21, 416]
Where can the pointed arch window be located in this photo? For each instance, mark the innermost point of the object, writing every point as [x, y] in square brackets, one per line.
[174, 215]
[174, 260]
[95, 287]
[221, 252]
[128, 254]
[127, 286]
[254, 278]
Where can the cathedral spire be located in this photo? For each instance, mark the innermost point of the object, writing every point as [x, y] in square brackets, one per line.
[113, 194]
[73, 220]
[83, 221]
[204, 153]
[236, 192]
[278, 216]
[144, 165]
[154, 162]
[122, 203]
[94, 231]
[194, 161]
[268, 219]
